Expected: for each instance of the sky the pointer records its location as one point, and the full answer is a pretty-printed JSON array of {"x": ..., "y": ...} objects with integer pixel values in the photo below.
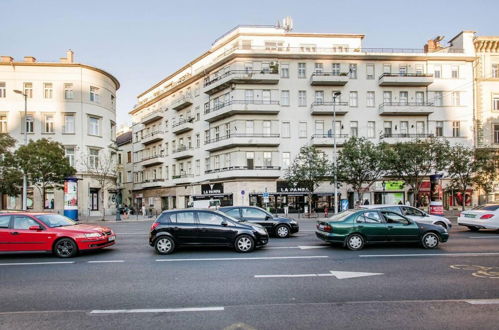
[{"x": 142, "y": 42}]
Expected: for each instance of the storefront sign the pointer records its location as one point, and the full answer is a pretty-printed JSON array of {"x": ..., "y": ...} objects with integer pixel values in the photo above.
[
  {"x": 212, "y": 188},
  {"x": 71, "y": 198},
  {"x": 389, "y": 185},
  {"x": 284, "y": 187}
]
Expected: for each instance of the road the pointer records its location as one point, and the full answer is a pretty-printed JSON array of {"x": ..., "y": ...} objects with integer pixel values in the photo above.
[{"x": 294, "y": 283}]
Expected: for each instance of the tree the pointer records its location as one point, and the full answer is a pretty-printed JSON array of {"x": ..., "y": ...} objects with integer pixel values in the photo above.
[
  {"x": 45, "y": 164},
  {"x": 308, "y": 170},
  {"x": 462, "y": 167},
  {"x": 416, "y": 160},
  {"x": 487, "y": 174},
  {"x": 10, "y": 175},
  {"x": 361, "y": 163},
  {"x": 102, "y": 168}
]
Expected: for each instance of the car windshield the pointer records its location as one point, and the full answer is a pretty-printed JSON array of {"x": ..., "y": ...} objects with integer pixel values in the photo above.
[
  {"x": 342, "y": 215},
  {"x": 487, "y": 207},
  {"x": 55, "y": 220},
  {"x": 228, "y": 216}
]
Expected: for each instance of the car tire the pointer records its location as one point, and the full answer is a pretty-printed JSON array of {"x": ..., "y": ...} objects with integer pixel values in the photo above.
[
  {"x": 441, "y": 224},
  {"x": 355, "y": 242},
  {"x": 65, "y": 248},
  {"x": 430, "y": 240},
  {"x": 244, "y": 244},
  {"x": 473, "y": 228},
  {"x": 164, "y": 245},
  {"x": 282, "y": 231}
]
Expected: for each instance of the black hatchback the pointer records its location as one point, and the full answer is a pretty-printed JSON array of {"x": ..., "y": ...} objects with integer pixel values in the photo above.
[
  {"x": 204, "y": 227},
  {"x": 278, "y": 226}
]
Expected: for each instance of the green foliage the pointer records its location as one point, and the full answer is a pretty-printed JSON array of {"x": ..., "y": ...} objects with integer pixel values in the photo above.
[
  {"x": 487, "y": 173},
  {"x": 10, "y": 175}
]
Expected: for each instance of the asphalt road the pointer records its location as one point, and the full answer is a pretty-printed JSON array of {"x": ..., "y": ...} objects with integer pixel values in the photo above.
[{"x": 294, "y": 283}]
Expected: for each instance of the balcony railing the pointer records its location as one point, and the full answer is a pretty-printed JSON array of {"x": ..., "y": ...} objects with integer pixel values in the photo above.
[
  {"x": 239, "y": 72},
  {"x": 405, "y": 79},
  {"x": 406, "y": 136},
  {"x": 222, "y": 105},
  {"x": 183, "y": 121},
  {"x": 183, "y": 125},
  {"x": 152, "y": 137},
  {"x": 329, "y": 79},
  {"x": 232, "y": 168},
  {"x": 152, "y": 117},
  {"x": 243, "y": 135},
  {"x": 326, "y": 108},
  {"x": 406, "y": 108},
  {"x": 182, "y": 102},
  {"x": 330, "y": 136},
  {"x": 182, "y": 176}
]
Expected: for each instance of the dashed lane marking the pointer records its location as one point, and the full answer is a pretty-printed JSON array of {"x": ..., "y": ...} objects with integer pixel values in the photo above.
[
  {"x": 463, "y": 254},
  {"x": 104, "y": 261},
  {"x": 157, "y": 310},
  {"x": 37, "y": 263}
]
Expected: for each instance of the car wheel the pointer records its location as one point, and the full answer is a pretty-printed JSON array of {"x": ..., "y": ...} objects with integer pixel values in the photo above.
[
  {"x": 244, "y": 243},
  {"x": 164, "y": 245},
  {"x": 65, "y": 248},
  {"x": 282, "y": 231},
  {"x": 473, "y": 228},
  {"x": 441, "y": 224},
  {"x": 355, "y": 242},
  {"x": 430, "y": 240}
]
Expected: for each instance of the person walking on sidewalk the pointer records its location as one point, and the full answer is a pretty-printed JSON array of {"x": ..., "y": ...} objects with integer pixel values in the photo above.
[{"x": 143, "y": 210}]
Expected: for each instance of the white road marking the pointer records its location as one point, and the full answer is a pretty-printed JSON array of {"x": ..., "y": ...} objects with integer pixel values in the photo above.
[
  {"x": 473, "y": 237},
  {"x": 250, "y": 258},
  {"x": 281, "y": 247},
  {"x": 483, "y": 301},
  {"x": 463, "y": 254},
  {"x": 312, "y": 247},
  {"x": 157, "y": 310},
  {"x": 338, "y": 274},
  {"x": 37, "y": 263},
  {"x": 137, "y": 233},
  {"x": 104, "y": 261}
]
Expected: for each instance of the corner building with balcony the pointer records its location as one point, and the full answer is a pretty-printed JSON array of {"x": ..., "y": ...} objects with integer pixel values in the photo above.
[{"x": 229, "y": 123}]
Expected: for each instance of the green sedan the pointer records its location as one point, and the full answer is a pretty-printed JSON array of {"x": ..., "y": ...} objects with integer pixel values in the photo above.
[{"x": 355, "y": 228}]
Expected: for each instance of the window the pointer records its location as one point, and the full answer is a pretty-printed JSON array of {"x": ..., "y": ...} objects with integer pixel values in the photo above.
[
  {"x": 495, "y": 70},
  {"x": 47, "y": 90},
  {"x": 438, "y": 99},
  {"x": 68, "y": 91},
  {"x": 387, "y": 68},
  {"x": 4, "y": 221},
  {"x": 93, "y": 158},
  {"x": 387, "y": 97},
  {"x": 410, "y": 211},
  {"x": 354, "y": 128},
  {"x": 319, "y": 127},
  {"x": 456, "y": 129},
  {"x": 48, "y": 123},
  {"x": 285, "y": 98},
  {"x": 352, "y": 69},
  {"x": 23, "y": 222},
  {"x": 495, "y": 102},
  {"x": 3, "y": 90},
  {"x": 267, "y": 159},
  {"x": 370, "y": 99},
  {"x": 286, "y": 159},
  {"x": 30, "y": 123},
  {"x": 69, "y": 124},
  {"x": 419, "y": 98},
  {"x": 182, "y": 217},
  {"x": 28, "y": 89},
  {"x": 371, "y": 129},
  {"x": 369, "y": 217},
  {"x": 455, "y": 72},
  {"x": 302, "y": 70},
  {"x": 284, "y": 70},
  {"x": 250, "y": 127},
  {"x": 233, "y": 213},
  {"x": 94, "y": 94},
  {"x": 496, "y": 133},
  {"x": 336, "y": 69},
  {"x": 250, "y": 157},
  {"x": 3, "y": 123},
  {"x": 93, "y": 126},
  {"x": 391, "y": 217},
  {"x": 456, "y": 98},
  {"x": 319, "y": 97},
  {"x": 387, "y": 128},
  {"x": 266, "y": 96},
  {"x": 198, "y": 140},
  {"x": 403, "y": 70},
  {"x": 69, "y": 153},
  {"x": 404, "y": 98},
  {"x": 420, "y": 127},
  {"x": 286, "y": 129},
  {"x": 303, "y": 130},
  {"x": 370, "y": 71},
  {"x": 198, "y": 167},
  {"x": 302, "y": 98},
  {"x": 253, "y": 213},
  {"x": 419, "y": 69},
  {"x": 319, "y": 68},
  {"x": 208, "y": 218},
  {"x": 437, "y": 71},
  {"x": 266, "y": 127},
  {"x": 439, "y": 128},
  {"x": 354, "y": 102},
  {"x": 249, "y": 95}
]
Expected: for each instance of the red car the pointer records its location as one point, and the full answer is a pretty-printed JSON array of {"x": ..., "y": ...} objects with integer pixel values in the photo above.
[{"x": 35, "y": 232}]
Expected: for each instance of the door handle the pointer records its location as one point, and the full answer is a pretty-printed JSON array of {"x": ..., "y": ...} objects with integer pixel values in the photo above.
[
  {"x": 14, "y": 233},
  {"x": 390, "y": 227}
]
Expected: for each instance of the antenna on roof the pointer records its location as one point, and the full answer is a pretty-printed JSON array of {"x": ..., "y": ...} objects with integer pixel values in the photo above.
[{"x": 287, "y": 23}]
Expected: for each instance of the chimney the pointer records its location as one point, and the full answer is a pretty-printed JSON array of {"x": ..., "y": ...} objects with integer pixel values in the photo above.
[
  {"x": 29, "y": 59},
  {"x": 69, "y": 56},
  {"x": 6, "y": 59}
]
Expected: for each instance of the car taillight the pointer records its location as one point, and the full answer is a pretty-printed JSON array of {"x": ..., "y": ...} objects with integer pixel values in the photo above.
[
  {"x": 486, "y": 216},
  {"x": 154, "y": 225},
  {"x": 327, "y": 228}
]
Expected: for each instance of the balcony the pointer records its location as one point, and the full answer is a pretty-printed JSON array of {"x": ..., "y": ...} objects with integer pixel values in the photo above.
[
  {"x": 152, "y": 137},
  {"x": 152, "y": 183},
  {"x": 242, "y": 139},
  {"x": 182, "y": 178},
  {"x": 328, "y": 79},
  {"x": 182, "y": 152},
  {"x": 326, "y": 108},
  {"x": 228, "y": 78},
  {"x": 182, "y": 103},
  {"x": 327, "y": 140},
  {"x": 152, "y": 160},
  {"x": 244, "y": 172},
  {"x": 405, "y": 79},
  {"x": 183, "y": 125},
  {"x": 233, "y": 107},
  {"x": 405, "y": 109},
  {"x": 152, "y": 117},
  {"x": 403, "y": 137}
]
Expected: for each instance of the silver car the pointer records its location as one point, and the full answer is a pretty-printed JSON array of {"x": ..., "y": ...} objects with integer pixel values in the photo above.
[{"x": 413, "y": 214}]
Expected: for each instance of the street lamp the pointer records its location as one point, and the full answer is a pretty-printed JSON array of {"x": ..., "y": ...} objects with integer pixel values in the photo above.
[
  {"x": 335, "y": 95},
  {"x": 25, "y": 179},
  {"x": 383, "y": 184}
]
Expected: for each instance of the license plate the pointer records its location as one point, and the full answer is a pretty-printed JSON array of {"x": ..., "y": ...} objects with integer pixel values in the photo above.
[
  {"x": 469, "y": 215},
  {"x": 111, "y": 238}
]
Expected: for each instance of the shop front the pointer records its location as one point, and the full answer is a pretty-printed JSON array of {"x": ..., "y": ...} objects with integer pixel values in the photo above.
[
  {"x": 389, "y": 192},
  {"x": 215, "y": 191}
]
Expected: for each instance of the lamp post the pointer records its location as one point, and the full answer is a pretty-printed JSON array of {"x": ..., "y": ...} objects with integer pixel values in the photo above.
[
  {"x": 335, "y": 95},
  {"x": 25, "y": 179},
  {"x": 383, "y": 184}
]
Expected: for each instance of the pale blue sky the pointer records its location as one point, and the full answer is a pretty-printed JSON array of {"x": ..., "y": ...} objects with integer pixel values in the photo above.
[{"x": 141, "y": 42}]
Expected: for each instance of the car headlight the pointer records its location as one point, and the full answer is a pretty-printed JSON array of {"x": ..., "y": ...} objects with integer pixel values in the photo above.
[
  {"x": 93, "y": 235},
  {"x": 294, "y": 222}
]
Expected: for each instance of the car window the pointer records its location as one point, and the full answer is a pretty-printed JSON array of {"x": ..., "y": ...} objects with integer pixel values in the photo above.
[
  {"x": 163, "y": 218},
  {"x": 182, "y": 217},
  {"x": 392, "y": 217},
  {"x": 253, "y": 213},
  {"x": 24, "y": 222},
  {"x": 369, "y": 217},
  {"x": 395, "y": 209},
  {"x": 55, "y": 220},
  {"x": 233, "y": 213},
  {"x": 4, "y": 221},
  {"x": 487, "y": 207},
  {"x": 208, "y": 218},
  {"x": 412, "y": 211}
]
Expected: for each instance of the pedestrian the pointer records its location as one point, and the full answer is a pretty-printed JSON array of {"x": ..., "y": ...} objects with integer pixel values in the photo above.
[
  {"x": 400, "y": 202},
  {"x": 286, "y": 210},
  {"x": 326, "y": 212},
  {"x": 143, "y": 210},
  {"x": 366, "y": 202},
  {"x": 407, "y": 203},
  {"x": 125, "y": 212}
]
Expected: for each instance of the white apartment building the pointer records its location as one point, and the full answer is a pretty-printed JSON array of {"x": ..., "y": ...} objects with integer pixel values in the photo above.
[
  {"x": 124, "y": 177},
  {"x": 68, "y": 102},
  {"x": 227, "y": 124}
]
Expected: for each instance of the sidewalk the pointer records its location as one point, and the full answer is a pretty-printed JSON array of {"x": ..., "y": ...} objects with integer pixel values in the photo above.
[{"x": 112, "y": 218}]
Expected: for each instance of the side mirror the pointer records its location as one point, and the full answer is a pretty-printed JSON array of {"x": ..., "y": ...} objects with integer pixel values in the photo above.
[
  {"x": 268, "y": 217},
  {"x": 35, "y": 228},
  {"x": 224, "y": 223}
]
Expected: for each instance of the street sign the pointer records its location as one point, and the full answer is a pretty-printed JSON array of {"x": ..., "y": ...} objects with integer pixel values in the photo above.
[
  {"x": 242, "y": 192},
  {"x": 266, "y": 195}
]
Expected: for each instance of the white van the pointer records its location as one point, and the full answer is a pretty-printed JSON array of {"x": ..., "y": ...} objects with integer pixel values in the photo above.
[{"x": 206, "y": 204}]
